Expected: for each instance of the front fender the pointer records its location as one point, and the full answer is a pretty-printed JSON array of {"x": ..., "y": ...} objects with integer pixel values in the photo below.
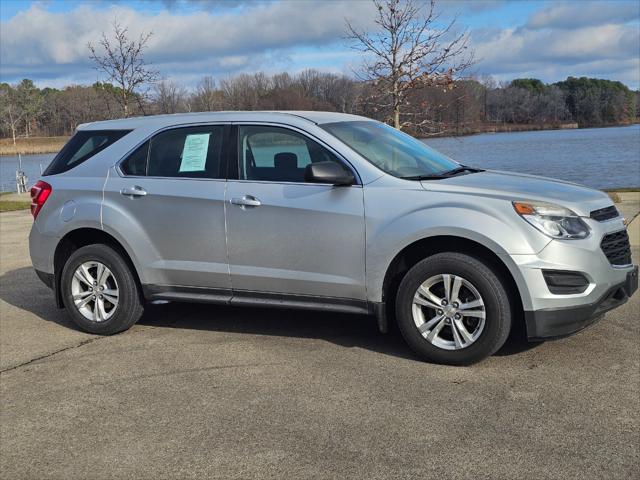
[{"x": 501, "y": 233}]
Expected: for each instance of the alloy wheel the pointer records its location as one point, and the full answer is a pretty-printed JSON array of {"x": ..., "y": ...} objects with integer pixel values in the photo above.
[
  {"x": 449, "y": 312},
  {"x": 95, "y": 291}
]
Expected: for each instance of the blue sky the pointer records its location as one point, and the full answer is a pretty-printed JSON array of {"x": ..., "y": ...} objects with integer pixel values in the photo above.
[{"x": 46, "y": 40}]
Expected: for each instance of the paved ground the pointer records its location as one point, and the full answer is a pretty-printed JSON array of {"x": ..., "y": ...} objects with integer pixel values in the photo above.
[{"x": 212, "y": 392}]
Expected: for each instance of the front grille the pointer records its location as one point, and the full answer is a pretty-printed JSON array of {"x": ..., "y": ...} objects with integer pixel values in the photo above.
[
  {"x": 616, "y": 247},
  {"x": 604, "y": 214}
]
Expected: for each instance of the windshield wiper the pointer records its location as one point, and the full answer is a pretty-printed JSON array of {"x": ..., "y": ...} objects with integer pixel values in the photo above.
[
  {"x": 425, "y": 177},
  {"x": 449, "y": 173},
  {"x": 461, "y": 169}
]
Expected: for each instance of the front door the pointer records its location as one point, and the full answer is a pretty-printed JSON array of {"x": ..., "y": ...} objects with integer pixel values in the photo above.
[
  {"x": 285, "y": 235},
  {"x": 171, "y": 189}
]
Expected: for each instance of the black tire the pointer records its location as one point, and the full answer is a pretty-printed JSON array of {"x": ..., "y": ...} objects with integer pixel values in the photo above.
[
  {"x": 487, "y": 283},
  {"x": 130, "y": 306}
]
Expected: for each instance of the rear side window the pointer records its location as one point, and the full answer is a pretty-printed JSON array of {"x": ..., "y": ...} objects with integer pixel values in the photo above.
[
  {"x": 188, "y": 152},
  {"x": 82, "y": 146}
]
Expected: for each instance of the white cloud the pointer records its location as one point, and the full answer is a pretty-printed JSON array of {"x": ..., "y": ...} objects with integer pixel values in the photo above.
[
  {"x": 40, "y": 42},
  {"x": 222, "y": 38},
  {"x": 605, "y": 49},
  {"x": 574, "y": 14},
  {"x": 523, "y": 46}
]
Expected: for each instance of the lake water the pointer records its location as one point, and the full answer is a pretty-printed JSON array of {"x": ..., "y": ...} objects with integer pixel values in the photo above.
[
  {"x": 596, "y": 157},
  {"x": 31, "y": 165}
]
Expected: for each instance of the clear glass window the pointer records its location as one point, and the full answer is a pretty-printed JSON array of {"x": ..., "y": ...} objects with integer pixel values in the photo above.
[
  {"x": 390, "y": 150},
  {"x": 277, "y": 154},
  {"x": 190, "y": 152}
]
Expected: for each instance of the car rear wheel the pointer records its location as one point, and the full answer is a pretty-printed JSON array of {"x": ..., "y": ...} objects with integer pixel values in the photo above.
[
  {"x": 99, "y": 290},
  {"x": 453, "y": 309}
]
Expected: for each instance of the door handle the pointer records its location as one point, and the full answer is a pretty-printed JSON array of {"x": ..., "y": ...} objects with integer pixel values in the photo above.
[
  {"x": 134, "y": 191},
  {"x": 246, "y": 201}
]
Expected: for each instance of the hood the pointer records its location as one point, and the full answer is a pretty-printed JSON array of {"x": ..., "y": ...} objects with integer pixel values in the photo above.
[{"x": 517, "y": 186}]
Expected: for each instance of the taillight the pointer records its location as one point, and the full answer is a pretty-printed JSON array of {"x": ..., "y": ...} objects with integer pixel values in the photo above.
[{"x": 39, "y": 194}]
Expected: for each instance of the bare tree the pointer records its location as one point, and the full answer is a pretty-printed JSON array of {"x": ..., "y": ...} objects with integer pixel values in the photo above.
[
  {"x": 30, "y": 102},
  {"x": 409, "y": 51},
  {"x": 207, "y": 97},
  {"x": 170, "y": 97},
  {"x": 122, "y": 59},
  {"x": 21, "y": 105},
  {"x": 11, "y": 114}
]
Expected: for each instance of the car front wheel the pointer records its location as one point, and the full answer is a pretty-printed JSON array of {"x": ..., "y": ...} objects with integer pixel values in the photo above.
[{"x": 453, "y": 309}]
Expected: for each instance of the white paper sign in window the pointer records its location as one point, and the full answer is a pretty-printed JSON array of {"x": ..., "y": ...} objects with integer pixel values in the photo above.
[{"x": 194, "y": 153}]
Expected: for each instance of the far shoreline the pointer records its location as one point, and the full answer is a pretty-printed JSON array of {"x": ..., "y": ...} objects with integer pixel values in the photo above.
[
  {"x": 47, "y": 145},
  {"x": 519, "y": 128}
]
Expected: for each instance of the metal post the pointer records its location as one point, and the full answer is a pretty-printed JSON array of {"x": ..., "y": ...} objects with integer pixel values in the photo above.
[{"x": 21, "y": 177}]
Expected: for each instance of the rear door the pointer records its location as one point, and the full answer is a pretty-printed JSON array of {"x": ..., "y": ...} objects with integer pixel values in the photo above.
[
  {"x": 285, "y": 235},
  {"x": 172, "y": 190}
]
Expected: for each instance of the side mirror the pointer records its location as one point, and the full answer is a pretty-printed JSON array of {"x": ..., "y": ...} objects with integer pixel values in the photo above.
[{"x": 328, "y": 172}]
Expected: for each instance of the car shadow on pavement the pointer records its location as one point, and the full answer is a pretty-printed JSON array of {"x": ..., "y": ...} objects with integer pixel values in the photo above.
[
  {"x": 22, "y": 289},
  {"x": 346, "y": 330}
]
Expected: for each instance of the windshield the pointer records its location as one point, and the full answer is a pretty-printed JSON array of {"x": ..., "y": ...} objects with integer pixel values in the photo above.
[{"x": 390, "y": 150}]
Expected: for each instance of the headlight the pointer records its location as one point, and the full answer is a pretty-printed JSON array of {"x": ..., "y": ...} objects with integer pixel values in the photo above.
[{"x": 553, "y": 220}]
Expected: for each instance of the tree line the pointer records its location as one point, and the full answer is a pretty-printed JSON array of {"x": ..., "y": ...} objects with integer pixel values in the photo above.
[{"x": 470, "y": 105}]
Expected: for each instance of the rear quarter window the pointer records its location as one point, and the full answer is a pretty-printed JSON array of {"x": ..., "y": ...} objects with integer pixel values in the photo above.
[
  {"x": 81, "y": 147},
  {"x": 136, "y": 163}
]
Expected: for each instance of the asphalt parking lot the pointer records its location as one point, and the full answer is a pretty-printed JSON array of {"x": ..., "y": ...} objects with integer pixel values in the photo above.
[{"x": 197, "y": 391}]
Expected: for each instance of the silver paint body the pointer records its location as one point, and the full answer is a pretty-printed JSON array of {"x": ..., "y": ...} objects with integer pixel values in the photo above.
[{"x": 311, "y": 239}]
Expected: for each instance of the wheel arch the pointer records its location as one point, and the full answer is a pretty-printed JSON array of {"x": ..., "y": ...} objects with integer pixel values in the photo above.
[
  {"x": 82, "y": 237},
  {"x": 422, "y": 248}
]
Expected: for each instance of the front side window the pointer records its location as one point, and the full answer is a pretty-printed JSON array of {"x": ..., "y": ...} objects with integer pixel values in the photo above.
[
  {"x": 390, "y": 150},
  {"x": 190, "y": 152},
  {"x": 82, "y": 146},
  {"x": 277, "y": 154}
]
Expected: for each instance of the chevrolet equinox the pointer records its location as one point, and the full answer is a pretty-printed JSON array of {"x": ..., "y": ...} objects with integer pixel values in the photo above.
[{"x": 322, "y": 211}]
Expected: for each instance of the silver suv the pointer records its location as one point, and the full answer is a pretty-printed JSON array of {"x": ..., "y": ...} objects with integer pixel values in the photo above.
[{"x": 322, "y": 211}]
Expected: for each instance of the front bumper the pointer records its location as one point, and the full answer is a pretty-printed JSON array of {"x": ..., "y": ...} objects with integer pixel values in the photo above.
[{"x": 561, "y": 322}]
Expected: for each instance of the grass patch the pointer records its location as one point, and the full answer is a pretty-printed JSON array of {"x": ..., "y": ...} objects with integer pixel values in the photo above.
[
  {"x": 32, "y": 145},
  {"x": 7, "y": 206}
]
